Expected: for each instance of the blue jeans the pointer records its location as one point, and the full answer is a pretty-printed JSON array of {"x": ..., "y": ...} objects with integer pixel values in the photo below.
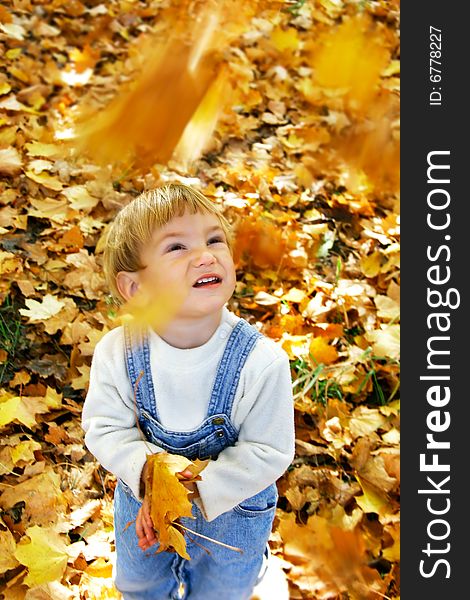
[{"x": 214, "y": 572}]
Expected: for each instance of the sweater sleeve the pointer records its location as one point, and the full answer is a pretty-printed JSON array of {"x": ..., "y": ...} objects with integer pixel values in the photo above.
[
  {"x": 265, "y": 446},
  {"x": 109, "y": 422}
]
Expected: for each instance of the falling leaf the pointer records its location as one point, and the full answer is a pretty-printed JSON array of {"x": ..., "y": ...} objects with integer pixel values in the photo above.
[
  {"x": 152, "y": 307},
  {"x": 44, "y": 554},
  {"x": 351, "y": 58},
  {"x": 198, "y": 132},
  {"x": 147, "y": 119},
  {"x": 259, "y": 243}
]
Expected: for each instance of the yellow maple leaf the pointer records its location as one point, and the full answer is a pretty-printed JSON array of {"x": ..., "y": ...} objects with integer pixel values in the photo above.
[
  {"x": 44, "y": 554},
  {"x": 13, "y": 408},
  {"x": 169, "y": 498},
  {"x": 24, "y": 451},
  {"x": 335, "y": 555}
]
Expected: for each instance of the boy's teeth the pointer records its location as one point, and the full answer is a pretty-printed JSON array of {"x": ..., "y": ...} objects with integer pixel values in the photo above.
[{"x": 206, "y": 280}]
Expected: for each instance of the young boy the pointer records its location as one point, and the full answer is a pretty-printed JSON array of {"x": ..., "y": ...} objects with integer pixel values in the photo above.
[{"x": 207, "y": 385}]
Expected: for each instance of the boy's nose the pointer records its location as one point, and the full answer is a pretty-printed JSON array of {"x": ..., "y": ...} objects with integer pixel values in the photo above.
[{"x": 204, "y": 258}]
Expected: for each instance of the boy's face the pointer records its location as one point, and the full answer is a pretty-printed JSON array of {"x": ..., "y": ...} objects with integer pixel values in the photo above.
[{"x": 190, "y": 253}]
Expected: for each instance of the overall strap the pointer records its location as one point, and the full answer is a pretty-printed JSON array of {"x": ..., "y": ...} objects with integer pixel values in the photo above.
[
  {"x": 138, "y": 367},
  {"x": 239, "y": 345}
]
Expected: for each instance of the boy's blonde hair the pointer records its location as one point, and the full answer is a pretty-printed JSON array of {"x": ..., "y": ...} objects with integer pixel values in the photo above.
[{"x": 134, "y": 225}]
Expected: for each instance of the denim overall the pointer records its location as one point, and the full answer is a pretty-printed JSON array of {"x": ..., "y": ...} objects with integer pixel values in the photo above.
[{"x": 214, "y": 572}]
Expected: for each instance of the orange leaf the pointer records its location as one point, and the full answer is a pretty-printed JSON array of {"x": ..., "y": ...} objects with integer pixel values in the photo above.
[
  {"x": 260, "y": 242},
  {"x": 321, "y": 352},
  {"x": 351, "y": 58}
]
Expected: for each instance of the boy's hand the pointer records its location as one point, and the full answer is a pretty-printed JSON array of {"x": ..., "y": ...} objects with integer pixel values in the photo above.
[
  {"x": 189, "y": 485},
  {"x": 144, "y": 527}
]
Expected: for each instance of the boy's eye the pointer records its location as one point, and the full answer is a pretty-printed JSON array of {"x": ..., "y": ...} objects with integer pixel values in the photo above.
[
  {"x": 174, "y": 247},
  {"x": 216, "y": 239}
]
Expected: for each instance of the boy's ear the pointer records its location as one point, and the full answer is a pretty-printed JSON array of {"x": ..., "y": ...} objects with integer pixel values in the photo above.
[{"x": 127, "y": 283}]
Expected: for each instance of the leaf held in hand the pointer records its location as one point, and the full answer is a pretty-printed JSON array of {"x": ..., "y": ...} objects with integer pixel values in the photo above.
[{"x": 169, "y": 498}]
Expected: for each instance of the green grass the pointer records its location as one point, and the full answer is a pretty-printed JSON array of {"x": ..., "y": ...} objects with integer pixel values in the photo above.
[
  {"x": 308, "y": 383},
  {"x": 12, "y": 338}
]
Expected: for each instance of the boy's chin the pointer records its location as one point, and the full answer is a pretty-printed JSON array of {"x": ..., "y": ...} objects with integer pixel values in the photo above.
[{"x": 194, "y": 312}]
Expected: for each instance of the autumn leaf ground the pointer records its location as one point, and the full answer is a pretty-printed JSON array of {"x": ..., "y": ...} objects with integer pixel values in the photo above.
[{"x": 303, "y": 161}]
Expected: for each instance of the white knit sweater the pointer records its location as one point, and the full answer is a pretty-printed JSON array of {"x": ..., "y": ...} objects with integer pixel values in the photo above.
[{"x": 183, "y": 380}]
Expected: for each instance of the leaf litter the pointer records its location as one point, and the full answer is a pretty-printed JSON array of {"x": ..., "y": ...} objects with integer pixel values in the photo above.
[{"x": 299, "y": 148}]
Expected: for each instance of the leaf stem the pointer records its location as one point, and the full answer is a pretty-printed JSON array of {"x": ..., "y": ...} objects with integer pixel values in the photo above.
[{"x": 208, "y": 538}]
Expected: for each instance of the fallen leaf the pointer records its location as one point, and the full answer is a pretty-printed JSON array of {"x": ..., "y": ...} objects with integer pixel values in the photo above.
[
  {"x": 7, "y": 549},
  {"x": 321, "y": 352},
  {"x": 41, "y": 311},
  {"x": 10, "y": 161},
  {"x": 44, "y": 554}
]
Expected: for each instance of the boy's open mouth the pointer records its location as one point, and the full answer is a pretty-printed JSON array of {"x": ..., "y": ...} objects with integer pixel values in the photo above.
[{"x": 207, "y": 281}]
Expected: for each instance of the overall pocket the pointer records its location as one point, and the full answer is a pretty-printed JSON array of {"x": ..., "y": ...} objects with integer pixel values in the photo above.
[{"x": 263, "y": 503}]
